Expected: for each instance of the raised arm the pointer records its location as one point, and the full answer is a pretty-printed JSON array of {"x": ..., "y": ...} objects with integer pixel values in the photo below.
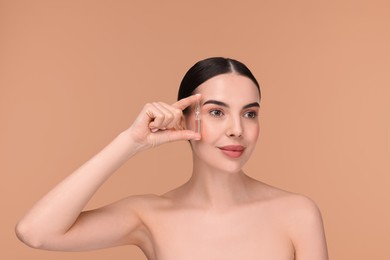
[{"x": 56, "y": 222}]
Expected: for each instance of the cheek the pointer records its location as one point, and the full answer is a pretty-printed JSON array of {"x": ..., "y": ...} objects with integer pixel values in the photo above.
[
  {"x": 252, "y": 131},
  {"x": 211, "y": 129},
  {"x": 255, "y": 132}
]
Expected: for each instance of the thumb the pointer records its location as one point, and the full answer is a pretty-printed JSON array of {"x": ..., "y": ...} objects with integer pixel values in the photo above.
[
  {"x": 184, "y": 135},
  {"x": 175, "y": 135}
]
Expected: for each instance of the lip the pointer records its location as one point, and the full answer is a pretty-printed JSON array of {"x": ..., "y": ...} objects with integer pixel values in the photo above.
[{"x": 232, "y": 151}]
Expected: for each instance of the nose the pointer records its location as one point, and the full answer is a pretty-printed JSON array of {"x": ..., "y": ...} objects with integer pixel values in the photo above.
[{"x": 234, "y": 128}]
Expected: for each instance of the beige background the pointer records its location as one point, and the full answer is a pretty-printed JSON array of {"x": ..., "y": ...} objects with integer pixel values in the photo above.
[{"x": 73, "y": 74}]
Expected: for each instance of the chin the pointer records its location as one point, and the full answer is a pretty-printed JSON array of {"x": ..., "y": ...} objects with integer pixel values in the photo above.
[
  {"x": 221, "y": 164},
  {"x": 232, "y": 167}
]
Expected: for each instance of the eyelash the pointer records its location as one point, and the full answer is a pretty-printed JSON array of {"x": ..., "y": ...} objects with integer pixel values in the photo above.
[
  {"x": 253, "y": 114},
  {"x": 212, "y": 112}
]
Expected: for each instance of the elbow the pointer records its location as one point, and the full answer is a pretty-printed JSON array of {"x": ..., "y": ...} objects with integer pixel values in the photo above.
[{"x": 28, "y": 235}]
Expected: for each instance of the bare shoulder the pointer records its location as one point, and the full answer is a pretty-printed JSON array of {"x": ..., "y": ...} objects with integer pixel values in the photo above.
[
  {"x": 298, "y": 205},
  {"x": 142, "y": 202},
  {"x": 298, "y": 211},
  {"x": 302, "y": 221},
  {"x": 291, "y": 203},
  {"x": 301, "y": 211}
]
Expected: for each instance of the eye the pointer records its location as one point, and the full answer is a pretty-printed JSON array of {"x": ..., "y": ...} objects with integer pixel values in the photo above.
[
  {"x": 250, "y": 114},
  {"x": 216, "y": 113}
]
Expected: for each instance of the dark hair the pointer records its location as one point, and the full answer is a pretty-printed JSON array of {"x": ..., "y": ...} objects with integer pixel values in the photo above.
[{"x": 211, "y": 67}]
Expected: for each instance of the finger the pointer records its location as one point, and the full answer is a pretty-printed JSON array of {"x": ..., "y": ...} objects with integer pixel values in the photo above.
[
  {"x": 177, "y": 115},
  {"x": 181, "y": 124},
  {"x": 168, "y": 114},
  {"x": 173, "y": 135},
  {"x": 183, "y": 135},
  {"x": 186, "y": 102},
  {"x": 156, "y": 116}
]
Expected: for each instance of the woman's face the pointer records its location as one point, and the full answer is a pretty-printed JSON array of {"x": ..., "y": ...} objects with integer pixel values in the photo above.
[{"x": 229, "y": 122}]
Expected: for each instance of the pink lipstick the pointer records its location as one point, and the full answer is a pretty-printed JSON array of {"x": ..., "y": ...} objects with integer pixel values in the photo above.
[{"x": 233, "y": 151}]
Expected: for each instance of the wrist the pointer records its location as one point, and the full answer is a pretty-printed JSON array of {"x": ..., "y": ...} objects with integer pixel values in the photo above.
[{"x": 133, "y": 146}]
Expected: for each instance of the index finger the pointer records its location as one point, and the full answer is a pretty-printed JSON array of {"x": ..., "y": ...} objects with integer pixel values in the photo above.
[{"x": 185, "y": 102}]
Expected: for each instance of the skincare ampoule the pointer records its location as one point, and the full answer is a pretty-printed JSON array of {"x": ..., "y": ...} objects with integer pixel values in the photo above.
[{"x": 197, "y": 117}]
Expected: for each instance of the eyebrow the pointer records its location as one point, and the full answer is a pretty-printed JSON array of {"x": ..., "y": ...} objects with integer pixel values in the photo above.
[{"x": 223, "y": 104}]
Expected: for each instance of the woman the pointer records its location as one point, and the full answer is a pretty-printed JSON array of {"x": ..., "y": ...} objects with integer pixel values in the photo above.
[{"x": 219, "y": 213}]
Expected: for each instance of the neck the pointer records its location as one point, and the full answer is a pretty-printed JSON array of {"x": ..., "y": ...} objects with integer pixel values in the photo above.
[{"x": 215, "y": 188}]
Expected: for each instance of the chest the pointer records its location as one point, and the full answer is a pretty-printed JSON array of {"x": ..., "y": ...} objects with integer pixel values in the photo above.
[{"x": 204, "y": 235}]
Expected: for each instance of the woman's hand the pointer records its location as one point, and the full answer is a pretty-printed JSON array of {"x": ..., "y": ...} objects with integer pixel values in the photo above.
[{"x": 160, "y": 123}]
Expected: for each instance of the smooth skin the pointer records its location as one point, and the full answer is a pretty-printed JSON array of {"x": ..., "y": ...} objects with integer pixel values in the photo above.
[{"x": 219, "y": 213}]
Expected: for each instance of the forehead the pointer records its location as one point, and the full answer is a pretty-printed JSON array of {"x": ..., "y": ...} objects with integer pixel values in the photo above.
[{"x": 229, "y": 87}]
